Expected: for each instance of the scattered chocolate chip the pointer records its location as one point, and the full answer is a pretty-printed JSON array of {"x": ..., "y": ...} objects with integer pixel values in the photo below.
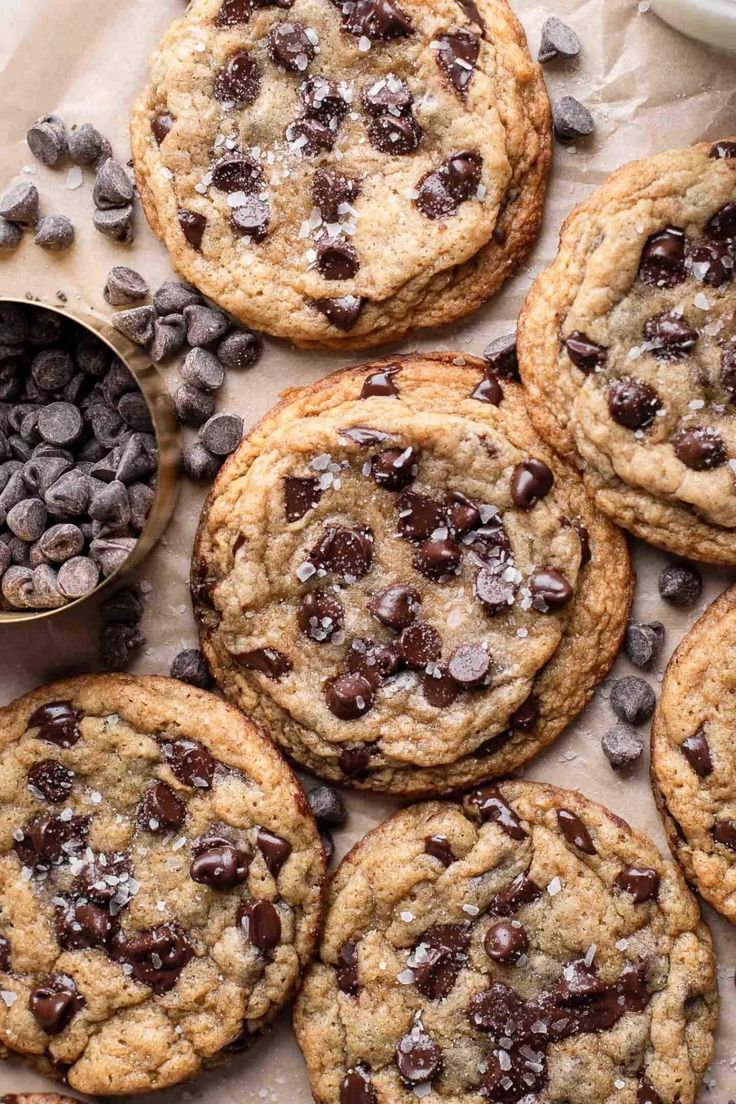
[
  {"x": 115, "y": 223},
  {"x": 222, "y": 433},
  {"x": 47, "y": 140},
  {"x": 136, "y": 324},
  {"x": 418, "y": 1057},
  {"x": 397, "y": 606},
  {"x": 169, "y": 335},
  {"x": 700, "y": 448},
  {"x": 633, "y": 700},
  {"x": 261, "y": 924},
  {"x": 550, "y": 589},
  {"x": 51, "y": 780},
  {"x": 198, "y": 463},
  {"x": 697, "y": 752},
  {"x": 157, "y": 956},
  {"x": 641, "y": 883},
  {"x": 457, "y": 55},
  {"x": 10, "y": 235},
  {"x": 266, "y": 661},
  {"x": 571, "y": 119},
  {"x": 239, "y": 81},
  {"x": 217, "y": 863},
  {"x": 633, "y": 403},
  {"x": 20, "y": 204},
  {"x": 500, "y": 356},
  {"x": 113, "y": 187},
  {"x": 558, "y": 41},
  {"x": 342, "y": 313},
  {"x": 642, "y": 642},
  {"x": 192, "y": 406},
  {"x": 680, "y": 584},
  {"x": 55, "y": 232},
  {"x": 54, "y": 1003},
  {"x": 575, "y": 832},
  {"x": 160, "y": 810},
  {"x": 172, "y": 297},
  {"x": 585, "y": 354},
  {"x": 193, "y": 226},
  {"x": 320, "y": 616},
  {"x": 328, "y": 807},
  {"x": 531, "y": 481},
  {"x": 506, "y": 942},
  {"x": 622, "y": 746},
  {"x": 240, "y": 349},
  {"x": 191, "y": 667},
  {"x": 349, "y": 697},
  {"x": 87, "y": 147},
  {"x": 124, "y": 286}
]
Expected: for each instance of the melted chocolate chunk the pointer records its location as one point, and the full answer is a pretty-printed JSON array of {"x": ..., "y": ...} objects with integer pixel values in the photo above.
[
  {"x": 266, "y": 661},
  {"x": 389, "y": 95},
  {"x": 346, "y": 553},
  {"x": 162, "y": 124},
  {"x": 274, "y": 849},
  {"x": 585, "y": 354},
  {"x": 381, "y": 384},
  {"x": 376, "y": 662},
  {"x": 490, "y": 805},
  {"x": 418, "y": 1057},
  {"x": 489, "y": 391},
  {"x": 290, "y": 46},
  {"x": 157, "y": 955},
  {"x": 550, "y": 589},
  {"x": 697, "y": 752},
  {"x": 723, "y": 150},
  {"x": 310, "y": 137},
  {"x": 420, "y": 516},
  {"x": 490, "y": 545},
  {"x": 395, "y": 468},
  {"x": 584, "y": 537},
  {"x": 341, "y": 313},
  {"x": 397, "y": 607},
  {"x": 670, "y": 336},
  {"x": 300, "y": 496},
  {"x": 217, "y": 863},
  {"x": 320, "y": 616},
  {"x": 531, "y": 481},
  {"x": 337, "y": 259},
  {"x": 700, "y": 448},
  {"x": 160, "y": 810},
  {"x": 464, "y": 515},
  {"x": 724, "y": 833},
  {"x": 633, "y": 403},
  {"x": 663, "y": 259},
  {"x": 379, "y": 20},
  {"x": 81, "y": 924},
  {"x": 54, "y": 1003},
  {"x": 525, "y": 718},
  {"x": 506, "y": 942},
  {"x": 354, "y": 761},
  {"x": 492, "y": 745},
  {"x": 723, "y": 224},
  {"x": 522, "y": 891},
  {"x": 236, "y": 172},
  {"x": 457, "y": 55},
  {"x": 357, "y": 1087},
  {"x": 4, "y": 955},
  {"x": 439, "y": 687},
  {"x": 191, "y": 763},
  {"x": 439, "y": 848},
  {"x": 347, "y": 969},
  {"x": 438, "y": 958},
  {"x": 330, "y": 190},
  {"x": 501, "y": 357},
  {"x": 251, "y": 218},
  {"x": 322, "y": 100},
  {"x": 395, "y": 135},
  {"x": 712, "y": 262},
  {"x": 441, "y": 192},
  {"x": 639, "y": 882},
  {"x": 575, "y": 832},
  {"x": 261, "y": 924},
  {"x": 57, "y": 723},
  {"x": 438, "y": 559},
  {"x": 420, "y": 645},
  {"x": 50, "y": 841},
  {"x": 493, "y": 590},
  {"x": 349, "y": 697},
  {"x": 646, "y": 1094},
  {"x": 234, "y": 12},
  {"x": 193, "y": 226},
  {"x": 105, "y": 880},
  {"x": 239, "y": 81},
  {"x": 52, "y": 780},
  {"x": 470, "y": 8}
]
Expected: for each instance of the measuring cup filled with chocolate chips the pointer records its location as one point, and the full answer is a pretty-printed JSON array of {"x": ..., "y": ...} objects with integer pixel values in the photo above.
[{"x": 88, "y": 457}]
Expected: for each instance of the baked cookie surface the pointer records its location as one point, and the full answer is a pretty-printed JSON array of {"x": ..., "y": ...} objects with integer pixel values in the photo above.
[
  {"x": 160, "y": 881},
  {"x": 394, "y": 576},
  {"x": 527, "y": 946},
  {"x": 693, "y": 763},
  {"x": 627, "y": 349},
  {"x": 338, "y": 173}
]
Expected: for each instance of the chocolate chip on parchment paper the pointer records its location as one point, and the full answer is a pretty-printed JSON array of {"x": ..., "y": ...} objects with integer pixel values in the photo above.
[
  {"x": 47, "y": 140},
  {"x": 20, "y": 204},
  {"x": 87, "y": 147},
  {"x": 115, "y": 223},
  {"x": 558, "y": 41},
  {"x": 622, "y": 745},
  {"x": 55, "y": 232},
  {"x": 572, "y": 120},
  {"x": 328, "y": 807},
  {"x": 222, "y": 433},
  {"x": 113, "y": 187},
  {"x": 124, "y": 286},
  {"x": 680, "y": 584},
  {"x": 191, "y": 667},
  {"x": 633, "y": 700},
  {"x": 643, "y": 641},
  {"x": 10, "y": 235},
  {"x": 200, "y": 464}
]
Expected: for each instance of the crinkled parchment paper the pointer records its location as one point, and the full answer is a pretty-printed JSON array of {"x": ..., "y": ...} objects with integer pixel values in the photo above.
[{"x": 649, "y": 89}]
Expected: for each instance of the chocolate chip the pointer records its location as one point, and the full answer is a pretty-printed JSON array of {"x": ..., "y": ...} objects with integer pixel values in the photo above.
[
  {"x": 558, "y": 41},
  {"x": 663, "y": 258},
  {"x": 349, "y": 697},
  {"x": 622, "y": 745},
  {"x": 57, "y": 722},
  {"x": 290, "y": 45},
  {"x": 531, "y": 481},
  {"x": 157, "y": 956},
  {"x": 274, "y": 849},
  {"x": 550, "y": 589},
  {"x": 240, "y": 349},
  {"x": 723, "y": 224},
  {"x": 198, "y": 463},
  {"x": 633, "y": 403},
  {"x": 493, "y": 590},
  {"x": 439, "y": 848},
  {"x": 51, "y": 780},
  {"x": 261, "y": 924},
  {"x": 55, "y": 232},
  {"x": 47, "y": 140},
  {"x": 123, "y": 286},
  {"x": 585, "y": 354},
  {"x": 328, "y": 844},
  {"x": 438, "y": 958},
  {"x": 267, "y": 661},
  {"x": 239, "y": 81},
  {"x": 420, "y": 645},
  {"x": 27, "y": 519},
  {"x": 641, "y": 883},
  {"x": 328, "y": 807},
  {"x": 575, "y": 832},
  {"x": 697, "y": 752},
  {"x": 456, "y": 180},
  {"x": 117, "y": 643},
  {"x": 77, "y": 577},
  {"x": 320, "y": 616},
  {"x": 418, "y": 1057},
  {"x": 342, "y": 313},
  {"x": 646, "y": 1094},
  {"x": 490, "y": 805},
  {"x": 506, "y": 942},
  {"x": 633, "y": 700},
  {"x": 394, "y": 468},
  {"x": 190, "y": 666},
  {"x": 354, "y": 761},
  {"x": 54, "y": 1003},
  {"x": 571, "y": 119},
  {"x": 300, "y": 496},
  {"x": 138, "y": 459},
  {"x": 205, "y": 325},
  {"x": 347, "y": 969},
  {"x": 222, "y": 433},
  {"x": 670, "y": 335},
  {"x": 217, "y": 863},
  {"x": 397, "y": 606},
  {"x": 680, "y": 584},
  {"x": 376, "y": 662},
  {"x": 357, "y": 1088},
  {"x": 438, "y": 559},
  {"x": 378, "y": 20},
  {"x": 251, "y": 218},
  {"x": 724, "y": 832},
  {"x": 236, "y": 172},
  {"x": 310, "y": 137},
  {"x": 125, "y": 607},
  {"x": 712, "y": 263},
  {"x": 169, "y": 335},
  {"x": 191, "y": 763},
  {"x": 81, "y": 925},
  {"x": 160, "y": 810},
  {"x": 346, "y": 553},
  {"x": 331, "y": 190},
  {"x": 521, "y": 891},
  {"x": 642, "y": 642},
  {"x": 420, "y": 516},
  {"x": 395, "y": 135},
  {"x": 723, "y": 150},
  {"x": 192, "y": 406},
  {"x": 116, "y": 223},
  {"x": 113, "y": 187},
  {"x": 193, "y": 226},
  {"x": 136, "y": 324},
  {"x": 500, "y": 356},
  {"x": 337, "y": 259},
  {"x": 51, "y": 840},
  {"x": 700, "y": 448},
  {"x": 457, "y": 55},
  {"x": 88, "y": 147},
  {"x": 20, "y": 204},
  {"x": 10, "y": 235},
  {"x": 469, "y": 665}
]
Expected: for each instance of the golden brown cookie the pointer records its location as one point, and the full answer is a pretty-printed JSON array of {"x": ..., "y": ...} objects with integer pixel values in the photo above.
[
  {"x": 627, "y": 348},
  {"x": 396, "y": 578},
  {"x": 524, "y": 946},
  {"x": 160, "y": 881},
  {"x": 339, "y": 172},
  {"x": 693, "y": 773}
]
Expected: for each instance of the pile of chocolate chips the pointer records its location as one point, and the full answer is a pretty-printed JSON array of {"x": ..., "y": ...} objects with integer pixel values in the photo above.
[{"x": 78, "y": 459}]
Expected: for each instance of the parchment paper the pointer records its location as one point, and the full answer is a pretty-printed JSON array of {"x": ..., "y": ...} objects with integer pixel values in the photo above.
[{"x": 649, "y": 88}]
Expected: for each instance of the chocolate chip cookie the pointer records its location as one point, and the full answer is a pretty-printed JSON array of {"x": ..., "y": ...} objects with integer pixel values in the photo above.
[
  {"x": 160, "y": 881},
  {"x": 35, "y": 1098},
  {"x": 627, "y": 347},
  {"x": 526, "y": 946},
  {"x": 395, "y": 577},
  {"x": 339, "y": 172},
  {"x": 692, "y": 755}
]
